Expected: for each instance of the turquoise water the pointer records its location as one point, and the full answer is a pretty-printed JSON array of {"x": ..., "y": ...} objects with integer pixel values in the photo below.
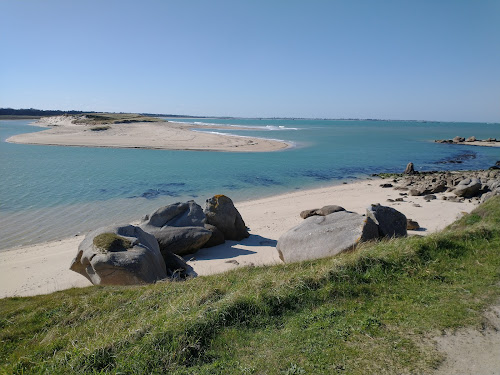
[{"x": 50, "y": 192}]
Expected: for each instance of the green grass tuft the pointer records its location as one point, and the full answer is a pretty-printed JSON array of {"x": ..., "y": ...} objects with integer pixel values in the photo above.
[
  {"x": 107, "y": 242},
  {"x": 370, "y": 311}
]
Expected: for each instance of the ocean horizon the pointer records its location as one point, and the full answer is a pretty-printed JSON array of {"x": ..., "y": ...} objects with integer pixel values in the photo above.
[{"x": 53, "y": 192}]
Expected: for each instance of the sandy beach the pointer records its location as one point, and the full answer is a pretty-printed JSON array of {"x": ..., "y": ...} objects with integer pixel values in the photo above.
[
  {"x": 44, "y": 268},
  {"x": 149, "y": 135}
]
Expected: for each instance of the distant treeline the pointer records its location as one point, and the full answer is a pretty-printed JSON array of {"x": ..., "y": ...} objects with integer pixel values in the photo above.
[
  {"x": 31, "y": 112},
  {"x": 36, "y": 112}
]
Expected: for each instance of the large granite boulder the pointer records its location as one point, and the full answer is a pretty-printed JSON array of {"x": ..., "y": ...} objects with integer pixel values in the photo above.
[
  {"x": 180, "y": 240},
  {"x": 324, "y": 236},
  {"x": 188, "y": 214},
  {"x": 217, "y": 237},
  {"x": 391, "y": 222},
  {"x": 323, "y": 211},
  {"x": 178, "y": 228},
  {"x": 119, "y": 255},
  {"x": 468, "y": 188},
  {"x": 221, "y": 213}
]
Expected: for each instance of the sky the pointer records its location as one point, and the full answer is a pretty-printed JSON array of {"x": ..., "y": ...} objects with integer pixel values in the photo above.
[{"x": 398, "y": 59}]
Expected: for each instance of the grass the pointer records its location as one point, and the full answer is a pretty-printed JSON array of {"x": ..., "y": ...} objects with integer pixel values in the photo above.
[
  {"x": 111, "y": 242},
  {"x": 370, "y": 311},
  {"x": 115, "y": 118},
  {"x": 100, "y": 128}
]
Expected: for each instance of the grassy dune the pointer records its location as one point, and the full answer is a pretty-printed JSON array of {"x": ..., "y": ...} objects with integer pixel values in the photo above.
[
  {"x": 116, "y": 118},
  {"x": 371, "y": 311}
]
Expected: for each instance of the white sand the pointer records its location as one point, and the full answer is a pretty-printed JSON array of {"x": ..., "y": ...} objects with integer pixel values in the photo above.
[
  {"x": 149, "y": 135},
  {"x": 44, "y": 268}
]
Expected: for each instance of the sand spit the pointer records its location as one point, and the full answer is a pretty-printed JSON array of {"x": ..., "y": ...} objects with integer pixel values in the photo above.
[{"x": 69, "y": 131}]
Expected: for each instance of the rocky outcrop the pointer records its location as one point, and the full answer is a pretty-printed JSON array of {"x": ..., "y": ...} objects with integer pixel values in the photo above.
[
  {"x": 468, "y": 188},
  {"x": 324, "y": 236},
  {"x": 390, "y": 222},
  {"x": 221, "y": 213},
  {"x": 217, "y": 237},
  {"x": 464, "y": 184},
  {"x": 410, "y": 169},
  {"x": 188, "y": 214},
  {"x": 178, "y": 228},
  {"x": 462, "y": 140},
  {"x": 121, "y": 255},
  {"x": 323, "y": 211}
]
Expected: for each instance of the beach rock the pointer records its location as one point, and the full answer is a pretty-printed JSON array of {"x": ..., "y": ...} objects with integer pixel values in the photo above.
[
  {"x": 323, "y": 211},
  {"x": 429, "y": 197},
  {"x": 120, "y": 255},
  {"x": 386, "y": 185},
  {"x": 490, "y": 195},
  {"x": 188, "y": 214},
  {"x": 308, "y": 213},
  {"x": 177, "y": 268},
  {"x": 471, "y": 139},
  {"x": 324, "y": 236},
  {"x": 221, "y": 213},
  {"x": 180, "y": 240},
  {"x": 455, "y": 199},
  {"x": 409, "y": 169},
  {"x": 391, "y": 222},
  {"x": 458, "y": 139},
  {"x": 490, "y": 140},
  {"x": 438, "y": 187},
  {"x": 412, "y": 225},
  {"x": 178, "y": 228},
  {"x": 468, "y": 188},
  {"x": 330, "y": 209},
  {"x": 217, "y": 237}
]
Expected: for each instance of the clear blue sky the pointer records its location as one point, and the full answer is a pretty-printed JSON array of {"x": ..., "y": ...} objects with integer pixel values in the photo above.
[{"x": 433, "y": 60}]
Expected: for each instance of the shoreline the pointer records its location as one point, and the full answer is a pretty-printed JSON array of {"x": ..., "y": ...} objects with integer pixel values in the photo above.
[
  {"x": 145, "y": 135},
  {"x": 44, "y": 268}
]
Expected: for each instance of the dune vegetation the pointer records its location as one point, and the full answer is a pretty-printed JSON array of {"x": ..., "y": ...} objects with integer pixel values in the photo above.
[
  {"x": 374, "y": 310},
  {"x": 115, "y": 118}
]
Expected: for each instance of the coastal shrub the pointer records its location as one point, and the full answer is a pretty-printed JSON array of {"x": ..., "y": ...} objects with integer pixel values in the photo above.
[
  {"x": 111, "y": 242},
  {"x": 100, "y": 128},
  {"x": 369, "y": 311}
]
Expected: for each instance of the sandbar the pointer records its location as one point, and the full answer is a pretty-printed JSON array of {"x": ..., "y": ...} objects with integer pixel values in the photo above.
[
  {"x": 44, "y": 268},
  {"x": 148, "y": 135}
]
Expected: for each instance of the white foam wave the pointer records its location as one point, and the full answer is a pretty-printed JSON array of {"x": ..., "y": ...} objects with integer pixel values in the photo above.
[{"x": 240, "y": 126}]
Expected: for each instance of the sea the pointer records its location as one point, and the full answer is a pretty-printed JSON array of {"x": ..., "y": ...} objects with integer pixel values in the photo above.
[{"x": 54, "y": 192}]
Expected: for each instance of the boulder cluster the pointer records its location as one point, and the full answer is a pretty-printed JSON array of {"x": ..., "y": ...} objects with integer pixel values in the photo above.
[
  {"x": 331, "y": 230},
  {"x": 151, "y": 251},
  {"x": 458, "y": 140},
  {"x": 480, "y": 185}
]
